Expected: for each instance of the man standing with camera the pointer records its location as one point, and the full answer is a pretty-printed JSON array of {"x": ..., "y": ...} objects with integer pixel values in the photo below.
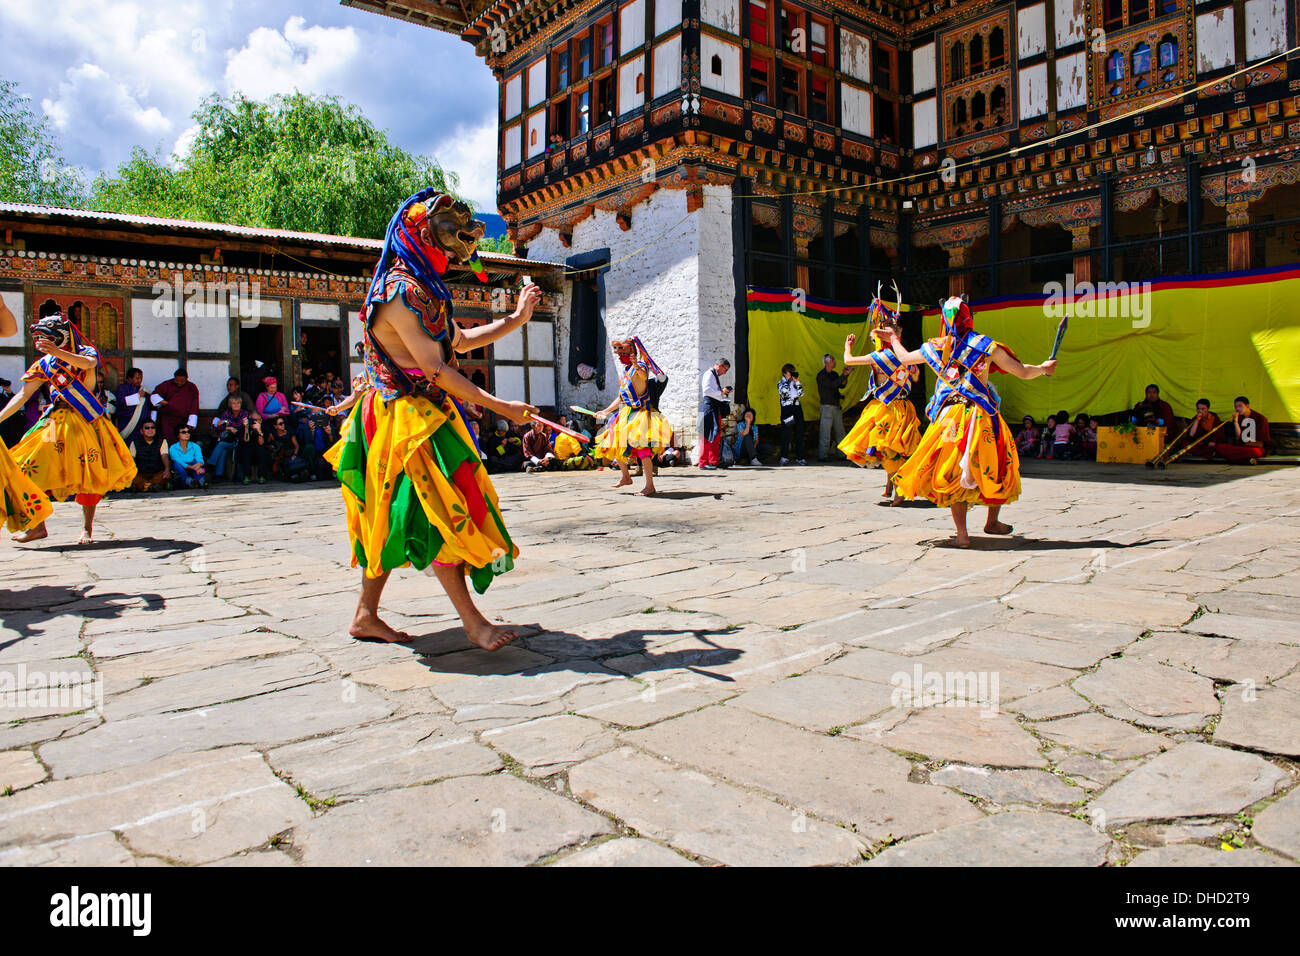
[
  {"x": 831, "y": 432},
  {"x": 713, "y": 409}
]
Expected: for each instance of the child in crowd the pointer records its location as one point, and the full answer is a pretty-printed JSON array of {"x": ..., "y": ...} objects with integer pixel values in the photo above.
[
  {"x": 1047, "y": 437},
  {"x": 746, "y": 444},
  {"x": 1027, "y": 440},
  {"x": 1061, "y": 440},
  {"x": 1090, "y": 440}
]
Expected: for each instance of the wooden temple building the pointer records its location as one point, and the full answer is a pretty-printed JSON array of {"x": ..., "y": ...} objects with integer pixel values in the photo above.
[{"x": 671, "y": 152}]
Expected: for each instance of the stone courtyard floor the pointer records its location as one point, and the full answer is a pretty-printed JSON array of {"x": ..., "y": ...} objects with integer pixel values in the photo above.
[{"x": 762, "y": 666}]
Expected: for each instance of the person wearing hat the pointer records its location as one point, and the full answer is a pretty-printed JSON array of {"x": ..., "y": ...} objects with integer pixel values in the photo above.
[
  {"x": 272, "y": 402},
  {"x": 179, "y": 404},
  {"x": 73, "y": 451}
]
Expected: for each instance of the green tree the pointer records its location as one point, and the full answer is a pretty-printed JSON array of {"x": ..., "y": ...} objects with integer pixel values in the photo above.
[
  {"x": 307, "y": 163},
  {"x": 499, "y": 244},
  {"x": 32, "y": 167}
]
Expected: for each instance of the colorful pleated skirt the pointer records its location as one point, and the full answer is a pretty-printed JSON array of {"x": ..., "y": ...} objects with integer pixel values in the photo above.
[
  {"x": 25, "y": 505},
  {"x": 68, "y": 457},
  {"x": 633, "y": 432},
  {"x": 885, "y": 435},
  {"x": 416, "y": 491},
  {"x": 965, "y": 456}
]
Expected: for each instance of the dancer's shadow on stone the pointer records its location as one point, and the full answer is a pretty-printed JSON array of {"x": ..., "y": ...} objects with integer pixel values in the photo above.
[
  {"x": 687, "y": 495},
  {"x": 1015, "y": 542},
  {"x": 25, "y": 610},
  {"x": 440, "y": 652},
  {"x": 154, "y": 547}
]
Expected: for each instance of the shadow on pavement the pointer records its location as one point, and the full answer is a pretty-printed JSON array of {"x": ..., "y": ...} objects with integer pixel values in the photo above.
[
  {"x": 1015, "y": 542},
  {"x": 26, "y": 609}
]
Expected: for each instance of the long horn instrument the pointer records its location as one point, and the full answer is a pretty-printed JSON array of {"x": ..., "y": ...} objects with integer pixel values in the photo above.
[
  {"x": 1168, "y": 449},
  {"x": 1170, "y": 461}
]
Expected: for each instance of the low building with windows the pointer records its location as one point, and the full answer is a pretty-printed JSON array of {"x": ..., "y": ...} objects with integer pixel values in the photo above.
[{"x": 224, "y": 300}]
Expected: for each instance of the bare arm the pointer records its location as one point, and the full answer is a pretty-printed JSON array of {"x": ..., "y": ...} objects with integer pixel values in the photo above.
[
  {"x": 72, "y": 358},
  {"x": 20, "y": 399},
  {"x": 1013, "y": 366},
  {"x": 428, "y": 355},
  {"x": 8, "y": 324},
  {"x": 481, "y": 335},
  {"x": 638, "y": 386},
  {"x": 850, "y": 358},
  {"x": 902, "y": 354}
]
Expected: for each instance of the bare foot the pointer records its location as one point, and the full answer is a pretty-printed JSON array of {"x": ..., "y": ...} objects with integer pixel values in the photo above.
[
  {"x": 488, "y": 636},
  {"x": 622, "y": 482},
  {"x": 31, "y": 534},
  {"x": 960, "y": 541},
  {"x": 87, "y": 537},
  {"x": 368, "y": 627},
  {"x": 997, "y": 527},
  {"x": 897, "y": 502},
  {"x": 887, "y": 492}
]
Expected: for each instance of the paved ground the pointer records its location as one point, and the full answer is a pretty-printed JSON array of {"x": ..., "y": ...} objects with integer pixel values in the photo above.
[{"x": 762, "y": 666}]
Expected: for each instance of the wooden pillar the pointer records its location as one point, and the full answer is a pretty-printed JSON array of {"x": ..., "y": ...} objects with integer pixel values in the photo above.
[
  {"x": 958, "y": 282},
  {"x": 1238, "y": 242},
  {"x": 1082, "y": 261}
]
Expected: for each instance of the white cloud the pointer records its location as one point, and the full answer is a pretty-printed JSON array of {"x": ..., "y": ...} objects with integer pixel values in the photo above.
[
  {"x": 311, "y": 59},
  {"x": 471, "y": 153}
]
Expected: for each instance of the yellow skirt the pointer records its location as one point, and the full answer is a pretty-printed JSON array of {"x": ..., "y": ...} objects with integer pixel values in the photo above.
[
  {"x": 630, "y": 430},
  {"x": 966, "y": 455},
  {"x": 416, "y": 490},
  {"x": 885, "y": 435},
  {"x": 64, "y": 456},
  {"x": 25, "y": 505}
]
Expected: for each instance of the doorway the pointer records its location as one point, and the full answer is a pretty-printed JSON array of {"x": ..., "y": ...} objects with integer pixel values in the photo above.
[
  {"x": 261, "y": 348},
  {"x": 320, "y": 350}
]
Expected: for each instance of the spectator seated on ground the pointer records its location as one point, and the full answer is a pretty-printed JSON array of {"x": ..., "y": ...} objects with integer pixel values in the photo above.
[
  {"x": 234, "y": 390},
  {"x": 272, "y": 402},
  {"x": 569, "y": 452},
  {"x": 152, "y": 463},
  {"x": 1152, "y": 412},
  {"x": 1027, "y": 440},
  {"x": 504, "y": 449},
  {"x": 1198, "y": 442},
  {"x": 187, "y": 461},
  {"x": 745, "y": 446},
  {"x": 315, "y": 436},
  {"x": 1089, "y": 439},
  {"x": 282, "y": 449},
  {"x": 1247, "y": 439},
  {"x": 537, "y": 449},
  {"x": 1047, "y": 437}
]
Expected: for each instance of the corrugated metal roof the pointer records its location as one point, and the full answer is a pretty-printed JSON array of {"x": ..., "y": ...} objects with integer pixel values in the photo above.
[{"x": 229, "y": 229}]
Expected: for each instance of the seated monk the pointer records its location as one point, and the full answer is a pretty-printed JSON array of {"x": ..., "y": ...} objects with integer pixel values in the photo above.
[
  {"x": 1247, "y": 435},
  {"x": 1198, "y": 441}
]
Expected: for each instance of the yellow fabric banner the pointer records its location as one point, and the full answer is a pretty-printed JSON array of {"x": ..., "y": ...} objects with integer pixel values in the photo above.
[
  {"x": 778, "y": 336},
  {"x": 1195, "y": 338}
]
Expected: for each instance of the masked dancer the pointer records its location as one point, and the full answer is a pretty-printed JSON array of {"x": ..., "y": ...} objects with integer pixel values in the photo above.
[
  {"x": 414, "y": 486},
  {"x": 968, "y": 455},
  {"x": 888, "y": 430},
  {"x": 73, "y": 450},
  {"x": 639, "y": 429},
  {"x": 25, "y": 505}
]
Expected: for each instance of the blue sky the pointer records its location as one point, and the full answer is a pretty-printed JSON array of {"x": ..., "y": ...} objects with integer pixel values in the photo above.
[{"x": 113, "y": 74}]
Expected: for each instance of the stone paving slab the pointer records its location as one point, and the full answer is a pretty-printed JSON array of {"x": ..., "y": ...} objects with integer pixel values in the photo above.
[
  {"x": 1014, "y": 838},
  {"x": 702, "y": 816},
  {"x": 855, "y": 783},
  {"x": 475, "y": 821},
  {"x": 192, "y": 809},
  {"x": 725, "y": 678}
]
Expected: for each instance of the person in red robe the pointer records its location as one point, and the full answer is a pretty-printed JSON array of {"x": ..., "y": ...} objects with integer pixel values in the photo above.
[
  {"x": 180, "y": 400},
  {"x": 1248, "y": 437}
]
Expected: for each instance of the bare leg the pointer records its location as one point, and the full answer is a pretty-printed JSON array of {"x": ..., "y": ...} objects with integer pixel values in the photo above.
[
  {"x": 32, "y": 534},
  {"x": 962, "y": 540},
  {"x": 88, "y": 524},
  {"x": 889, "y": 486},
  {"x": 992, "y": 525},
  {"x": 647, "y": 468},
  {"x": 627, "y": 477},
  {"x": 366, "y": 623},
  {"x": 478, "y": 629}
]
